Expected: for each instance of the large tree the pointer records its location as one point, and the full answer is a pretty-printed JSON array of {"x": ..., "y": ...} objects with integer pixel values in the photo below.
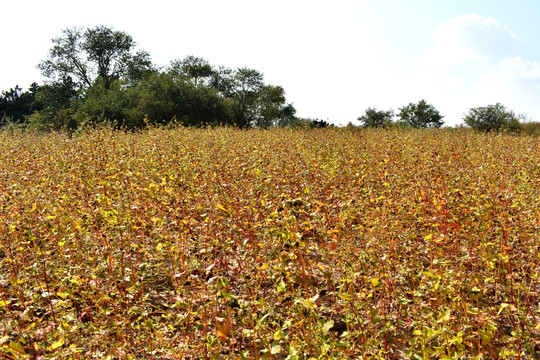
[
  {"x": 99, "y": 53},
  {"x": 420, "y": 115}
]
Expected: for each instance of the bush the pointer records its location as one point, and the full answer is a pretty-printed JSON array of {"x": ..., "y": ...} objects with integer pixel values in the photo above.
[
  {"x": 531, "y": 128},
  {"x": 493, "y": 118},
  {"x": 319, "y": 124}
]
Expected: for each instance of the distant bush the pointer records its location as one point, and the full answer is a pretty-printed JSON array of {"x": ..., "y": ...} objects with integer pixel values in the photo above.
[
  {"x": 493, "y": 118},
  {"x": 319, "y": 124},
  {"x": 530, "y": 128}
]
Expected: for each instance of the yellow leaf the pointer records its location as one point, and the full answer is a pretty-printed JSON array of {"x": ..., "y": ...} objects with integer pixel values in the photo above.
[
  {"x": 17, "y": 347},
  {"x": 345, "y": 296},
  {"x": 472, "y": 311},
  {"x": 220, "y": 207},
  {"x": 57, "y": 344}
]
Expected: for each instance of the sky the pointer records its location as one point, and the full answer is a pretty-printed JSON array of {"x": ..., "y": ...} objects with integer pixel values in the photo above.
[{"x": 334, "y": 59}]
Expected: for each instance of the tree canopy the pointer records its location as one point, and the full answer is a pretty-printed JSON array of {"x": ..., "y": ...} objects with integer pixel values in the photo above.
[
  {"x": 99, "y": 53},
  {"x": 376, "y": 118},
  {"x": 492, "y": 118},
  {"x": 420, "y": 115}
]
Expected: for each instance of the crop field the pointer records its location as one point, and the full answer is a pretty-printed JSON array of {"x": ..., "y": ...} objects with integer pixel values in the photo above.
[{"x": 279, "y": 244}]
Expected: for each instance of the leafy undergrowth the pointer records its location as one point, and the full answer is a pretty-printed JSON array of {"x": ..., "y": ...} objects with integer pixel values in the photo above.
[{"x": 229, "y": 244}]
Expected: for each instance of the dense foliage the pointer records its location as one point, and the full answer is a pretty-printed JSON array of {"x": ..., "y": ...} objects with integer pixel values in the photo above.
[
  {"x": 420, "y": 115},
  {"x": 492, "y": 118},
  {"x": 324, "y": 243},
  {"x": 377, "y": 118},
  {"x": 97, "y": 75},
  {"x": 16, "y": 104}
]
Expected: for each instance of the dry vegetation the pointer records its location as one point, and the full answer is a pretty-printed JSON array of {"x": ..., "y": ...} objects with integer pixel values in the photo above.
[{"x": 229, "y": 244}]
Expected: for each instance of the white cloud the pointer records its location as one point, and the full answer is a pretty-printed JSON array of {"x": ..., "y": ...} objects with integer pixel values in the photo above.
[
  {"x": 468, "y": 38},
  {"x": 474, "y": 61},
  {"x": 520, "y": 68}
]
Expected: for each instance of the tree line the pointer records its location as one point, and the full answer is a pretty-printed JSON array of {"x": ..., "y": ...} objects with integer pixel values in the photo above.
[
  {"x": 495, "y": 117},
  {"x": 97, "y": 74}
]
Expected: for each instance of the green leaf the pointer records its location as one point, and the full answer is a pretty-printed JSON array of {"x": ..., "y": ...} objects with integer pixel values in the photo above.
[
  {"x": 445, "y": 316},
  {"x": 345, "y": 296},
  {"x": 281, "y": 287},
  {"x": 261, "y": 321},
  {"x": 403, "y": 301}
]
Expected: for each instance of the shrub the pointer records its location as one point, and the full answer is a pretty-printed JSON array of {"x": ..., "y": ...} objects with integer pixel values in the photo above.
[{"x": 531, "y": 128}]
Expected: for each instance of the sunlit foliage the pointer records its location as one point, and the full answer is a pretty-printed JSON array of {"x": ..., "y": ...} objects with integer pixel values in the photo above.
[{"x": 324, "y": 243}]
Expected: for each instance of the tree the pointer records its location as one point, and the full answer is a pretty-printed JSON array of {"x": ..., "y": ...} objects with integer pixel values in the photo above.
[
  {"x": 242, "y": 89},
  {"x": 55, "y": 103},
  {"x": 272, "y": 109},
  {"x": 163, "y": 97},
  {"x": 16, "y": 104},
  {"x": 194, "y": 68},
  {"x": 376, "y": 118},
  {"x": 98, "y": 53},
  {"x": 420, "y": 115},
  {"x": 492, "y": 118}
]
